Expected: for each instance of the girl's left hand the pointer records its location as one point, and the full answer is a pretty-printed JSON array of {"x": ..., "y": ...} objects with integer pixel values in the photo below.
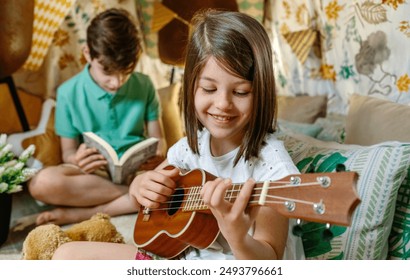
[{"x": 234, "y": 218}]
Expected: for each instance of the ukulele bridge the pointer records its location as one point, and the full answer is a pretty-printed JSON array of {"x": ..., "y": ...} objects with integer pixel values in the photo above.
[{"x": 146, "y": 214}]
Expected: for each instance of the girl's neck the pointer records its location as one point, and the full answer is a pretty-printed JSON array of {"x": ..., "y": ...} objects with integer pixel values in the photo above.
[{"x": 220, "y": 147}]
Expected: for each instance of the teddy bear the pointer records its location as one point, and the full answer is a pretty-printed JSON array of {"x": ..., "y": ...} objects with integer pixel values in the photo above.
[{"x": 42, "y": 241}]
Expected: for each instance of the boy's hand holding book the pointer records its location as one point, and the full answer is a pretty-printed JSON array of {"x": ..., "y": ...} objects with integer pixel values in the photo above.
[{"x": 89, "y": 159}]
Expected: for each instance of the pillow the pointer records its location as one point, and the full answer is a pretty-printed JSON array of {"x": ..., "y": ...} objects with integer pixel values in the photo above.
[
  {"x": 381, "y": 170},
  {"x": 171, "y": 115},
  {"x": 303, "y": 128},
  {"x": 373, "y": 120},
  {"x": 303, "y": 108}
]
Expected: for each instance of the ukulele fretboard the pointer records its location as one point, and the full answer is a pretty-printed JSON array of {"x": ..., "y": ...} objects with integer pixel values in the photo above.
[{"x": 194, "y": 201}]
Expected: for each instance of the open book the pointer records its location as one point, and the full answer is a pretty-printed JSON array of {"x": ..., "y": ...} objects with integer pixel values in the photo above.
[{"x": 120, "y": 169}]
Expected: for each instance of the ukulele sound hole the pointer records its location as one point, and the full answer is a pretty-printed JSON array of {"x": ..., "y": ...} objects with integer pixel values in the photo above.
[{"x": 176, "y": 201}]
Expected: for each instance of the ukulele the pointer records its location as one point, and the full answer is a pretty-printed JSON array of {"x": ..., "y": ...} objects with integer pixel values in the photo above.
[{"x": 184, "y": 220}]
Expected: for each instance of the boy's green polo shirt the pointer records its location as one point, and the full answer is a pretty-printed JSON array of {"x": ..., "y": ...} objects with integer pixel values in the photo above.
[{"x": 118, "y": 118}]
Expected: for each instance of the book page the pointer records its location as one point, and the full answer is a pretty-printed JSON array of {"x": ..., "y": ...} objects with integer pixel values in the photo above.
[
  {"x": 150, "y": 144},
  {"x": 137, "y": 157},
  {"x": 93, "y": 140}
]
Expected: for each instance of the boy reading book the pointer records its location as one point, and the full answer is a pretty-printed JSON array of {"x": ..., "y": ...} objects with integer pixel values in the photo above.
[{"x": 111, "y": 100}]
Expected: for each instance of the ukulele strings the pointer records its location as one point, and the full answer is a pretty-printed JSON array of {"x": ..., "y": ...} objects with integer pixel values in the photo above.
[{"x": 197, "y": 202}]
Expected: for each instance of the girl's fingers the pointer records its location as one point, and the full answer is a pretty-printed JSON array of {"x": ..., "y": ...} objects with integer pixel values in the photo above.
[
  {"x": 214, "y": 194},
  {"x": 149, "y": 204},
  {"x": 152, "y": 199},
  {"x": 208, "y": 189},
  {"x": 153, "y": 187},
  {"x": 219, "y": 195},
  {"x": 242, "y": 200}
]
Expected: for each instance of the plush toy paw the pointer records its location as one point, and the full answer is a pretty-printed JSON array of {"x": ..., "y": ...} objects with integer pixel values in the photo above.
[{"x": 41, "y": 242}]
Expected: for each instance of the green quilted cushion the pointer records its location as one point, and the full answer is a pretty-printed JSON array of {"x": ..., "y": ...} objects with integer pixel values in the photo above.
[
  {"x": 381, "y": 168},
  {"x": 399, "y": 240}
]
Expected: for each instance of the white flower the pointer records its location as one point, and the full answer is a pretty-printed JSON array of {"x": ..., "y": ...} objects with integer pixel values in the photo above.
[
  {"x": 28, "y": 173},
  {"x": 9, "y": 164},
  {"x": 5, "y": 150},
  {"x": 18, "y": 166},
  {"x": 27, "y": 153},
  {"x": 13, "y": 170},
  {"x": 3, "y": 187},
  {"x": 15, "y": 188}
]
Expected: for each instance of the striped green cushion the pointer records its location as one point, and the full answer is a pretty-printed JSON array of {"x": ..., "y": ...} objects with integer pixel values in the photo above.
[
  {"x": 381, "y": 170},
  {"x": 399, "y": 240}
]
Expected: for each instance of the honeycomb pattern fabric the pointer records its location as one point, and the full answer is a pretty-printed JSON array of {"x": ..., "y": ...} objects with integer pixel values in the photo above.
[{"x": 48, "y": 16}]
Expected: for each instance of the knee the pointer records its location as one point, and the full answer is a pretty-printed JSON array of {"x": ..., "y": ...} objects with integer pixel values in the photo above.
[
  {"x": 66, "y": 251},
  {"x": 44, "y": 183}
]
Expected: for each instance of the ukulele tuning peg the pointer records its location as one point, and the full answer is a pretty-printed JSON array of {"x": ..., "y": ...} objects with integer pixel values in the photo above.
[
  {"x": 327, "y": 234},
  {"x": 297, "y": 229},
  {"x": 340, "y": 167}
]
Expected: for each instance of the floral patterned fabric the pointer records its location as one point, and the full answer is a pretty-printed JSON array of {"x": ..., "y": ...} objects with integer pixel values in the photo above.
[{"x": 359, "y": 48}]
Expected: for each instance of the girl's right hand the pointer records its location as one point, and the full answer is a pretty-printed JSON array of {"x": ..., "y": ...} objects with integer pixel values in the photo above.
[
  {"x": 89, "y": 159},
  {"x": 154, "y": 187}
]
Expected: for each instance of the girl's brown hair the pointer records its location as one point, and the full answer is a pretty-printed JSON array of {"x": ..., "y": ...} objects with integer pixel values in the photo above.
[
  {"x": 112, "y": 38},
  {"x": 241, "y": 45}
]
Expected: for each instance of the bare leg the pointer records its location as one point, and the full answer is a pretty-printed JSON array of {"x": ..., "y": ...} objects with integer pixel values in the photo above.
[
  {"x": 83, "y": 194},
  {"x": 95, "y": 251},
  {"x": 66, "y": 215},
  {"x": 69, "y": 186}
]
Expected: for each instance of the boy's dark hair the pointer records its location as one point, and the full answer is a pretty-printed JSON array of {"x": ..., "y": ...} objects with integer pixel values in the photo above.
[
  {"x": 112, "y": 38},
  {"x": 240, "y": 44}
]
